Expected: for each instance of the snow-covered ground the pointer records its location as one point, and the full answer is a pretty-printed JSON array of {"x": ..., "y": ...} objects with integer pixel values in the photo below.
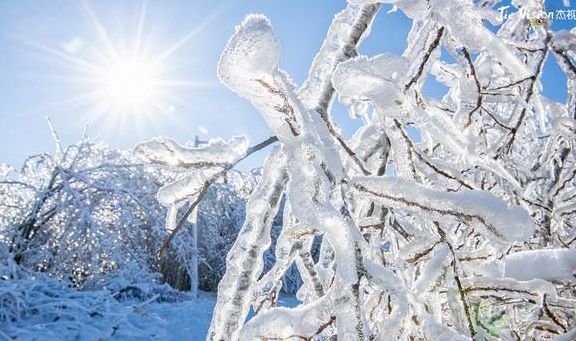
[
  {"x": 188, "y": 320},
  {"x": 130, "y": 321}
]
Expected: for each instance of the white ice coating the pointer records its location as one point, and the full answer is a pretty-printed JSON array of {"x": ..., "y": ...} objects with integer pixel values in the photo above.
[
  {"x": 187, "y": 187},
  {"x": 433, "y": 269},
  {"x": 532, "y": 289},
  {"x": 481, "y": 209},
  {"x": 244, "y": 261},
  {"x": 376, "y": 78},
  {"x": 217, "y": 152},
  {"x": 564, "y": 126},
  {"x": 252, "y": 52},
  {"x": 547, "y": 264},
  {"x": 249, "y": 67}
]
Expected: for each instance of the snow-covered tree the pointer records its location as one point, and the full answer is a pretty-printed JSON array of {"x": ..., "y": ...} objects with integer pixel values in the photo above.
[
  {"x": 440, "y": 219},
  {"x": 83, "y": 214}
]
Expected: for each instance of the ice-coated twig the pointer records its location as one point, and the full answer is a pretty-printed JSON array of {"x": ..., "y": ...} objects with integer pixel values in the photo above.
[
  {"x": 244, "y": 261},
  {"x": 347, "y": 30},
  {"x": 165, "y": 151},
  {"x": 173, "y": 212},
  {"x": 217, "y": 157},
  {"x": 481, "y": 209}
]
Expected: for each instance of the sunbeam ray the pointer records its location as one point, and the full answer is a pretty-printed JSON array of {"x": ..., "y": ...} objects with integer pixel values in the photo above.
[
  {"x": 140, "y": 26},
  {"x": 101, "y": 30}
]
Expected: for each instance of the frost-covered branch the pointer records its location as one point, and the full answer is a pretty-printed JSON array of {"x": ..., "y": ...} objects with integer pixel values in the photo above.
[{"x": 465, "y": 184}]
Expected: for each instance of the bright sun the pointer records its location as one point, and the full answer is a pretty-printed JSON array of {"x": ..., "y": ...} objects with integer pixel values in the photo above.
[{"x": 129, "y": 83}]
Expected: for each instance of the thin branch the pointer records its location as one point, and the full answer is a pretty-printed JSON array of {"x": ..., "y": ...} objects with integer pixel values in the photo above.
[
  {"x": 505, "y": 86},
  {"x": 317, "y": 92},
  {"x": 187, "y": 214},
  {"x": 553, "y": 316},
  {"x": 478, "y": 86},
  {"x": 529, "y": 93},
  {"x": 206, "y": 185},
  {"x": 427, "y": 55},
  {"x": 461, "y": 290}
]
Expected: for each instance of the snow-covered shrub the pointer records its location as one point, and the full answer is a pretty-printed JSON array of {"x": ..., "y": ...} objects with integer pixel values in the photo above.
[
  {"x": 103, "y": 203},
  {"x": 35, "y": 306},
  {"x": 429, "y": 213},
  {"x": 83, "y": 213}
]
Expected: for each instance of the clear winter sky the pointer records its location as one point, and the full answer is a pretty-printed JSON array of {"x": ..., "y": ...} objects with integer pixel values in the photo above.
[{"x": 69, "y": 60}]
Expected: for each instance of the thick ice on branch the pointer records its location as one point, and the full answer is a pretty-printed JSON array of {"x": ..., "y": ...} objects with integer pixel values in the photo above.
[
  {"x": 249, "y": 67},
  {"x": 376, "y": 78},
  {"x": 481, "y": 209},
  {"x": 565, "y": 126},
  {"x": 548, "y": 264},
  {"x": 508, "y": 287},
  {"x": 213, "y": 158},
  {"x": 283, "y": 323},
  {"x": 347, "y": 30},
  {"x": 252, "y": 53},
  {"x": 244, "y": 262},
  {"x": 186, "y": 187},
  {"x": 166, "y": 151}
]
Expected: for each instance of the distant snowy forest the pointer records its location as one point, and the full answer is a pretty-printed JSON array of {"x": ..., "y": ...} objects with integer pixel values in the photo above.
[{"x": 448, "y": 218}]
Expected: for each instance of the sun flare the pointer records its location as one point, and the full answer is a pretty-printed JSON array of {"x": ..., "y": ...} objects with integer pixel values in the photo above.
[
  {"x": 126, "y": 76},
  {"x": 130, "y": 83}
]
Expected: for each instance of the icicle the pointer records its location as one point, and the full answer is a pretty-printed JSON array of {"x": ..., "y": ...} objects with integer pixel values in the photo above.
[{"x": 171, "y": 218}]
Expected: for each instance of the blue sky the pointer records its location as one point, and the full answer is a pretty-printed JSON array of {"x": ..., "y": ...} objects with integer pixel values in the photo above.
[{"x": 50, "y": 48}]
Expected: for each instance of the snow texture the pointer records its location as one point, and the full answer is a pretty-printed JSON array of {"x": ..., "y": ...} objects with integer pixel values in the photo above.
[
  {"x": 481, "y": 209},
  {"x": 253, "y": 52},
  {"x": 166, "y": 151},
  {"x": 547, "y": 264}
]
